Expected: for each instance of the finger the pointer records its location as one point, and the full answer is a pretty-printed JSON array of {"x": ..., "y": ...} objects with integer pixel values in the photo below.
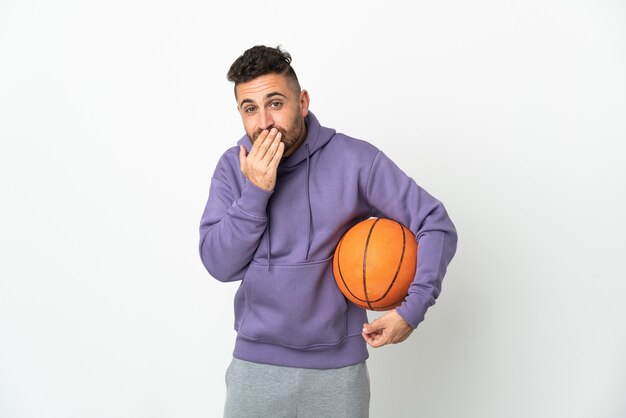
[
  {"x": 265, "y": 144},
  {"x": 375, "y": 326},
  {"x": 368, "y": 338},
  {"x": 378, "y": 343},
  {"x": 257, "y": 142},
  {"x": 375, "y": 340},
  {"x": 372, "y": 335},
  {"x": 242, "y": 157},
  {"x": 273, "y": 148},
  {"x": 279, "y": 154}
]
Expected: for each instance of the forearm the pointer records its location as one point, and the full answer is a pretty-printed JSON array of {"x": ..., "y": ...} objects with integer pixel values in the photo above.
[
  {"x": 435, "y": 250},
  {"x": 229, "y": 235},
  {"x": 393, "y": 194}
]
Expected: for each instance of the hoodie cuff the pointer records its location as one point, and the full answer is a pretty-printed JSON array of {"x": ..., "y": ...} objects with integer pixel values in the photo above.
[
  {"x": 253, "y": 200},
  {"x": 414, "y": 308}
]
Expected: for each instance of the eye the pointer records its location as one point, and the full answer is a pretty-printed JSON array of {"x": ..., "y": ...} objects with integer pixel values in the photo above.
[
  {"x": 276, "y": 105},
  {"x": 249, "y": 109}
]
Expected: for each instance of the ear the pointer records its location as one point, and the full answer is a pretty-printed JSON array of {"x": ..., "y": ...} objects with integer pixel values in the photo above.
[{"x": 304, "y": 102}]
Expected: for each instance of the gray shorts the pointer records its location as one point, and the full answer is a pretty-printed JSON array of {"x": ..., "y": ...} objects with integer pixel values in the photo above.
[{"x": 261, "y": 390}]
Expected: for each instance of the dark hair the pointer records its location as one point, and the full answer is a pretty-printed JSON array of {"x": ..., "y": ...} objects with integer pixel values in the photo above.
[{"x": 261, "y": 60}]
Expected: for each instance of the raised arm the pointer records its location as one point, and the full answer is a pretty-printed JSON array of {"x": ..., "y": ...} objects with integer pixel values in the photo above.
[{"x": 235, "y": 215}]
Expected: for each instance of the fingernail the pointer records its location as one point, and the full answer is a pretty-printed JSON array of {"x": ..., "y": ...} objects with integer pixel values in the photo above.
[{"x": 273, "y": 131}]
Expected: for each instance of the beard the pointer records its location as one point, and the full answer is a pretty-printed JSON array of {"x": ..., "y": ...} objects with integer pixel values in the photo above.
[{"x": 292, "y": 135}]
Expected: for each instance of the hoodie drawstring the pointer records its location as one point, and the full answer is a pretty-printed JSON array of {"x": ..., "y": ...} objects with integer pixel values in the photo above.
[
  {"x": 269, "y": 246},
  {"x": 308, "y": 202},
  {"x": 310, "y": 214}
]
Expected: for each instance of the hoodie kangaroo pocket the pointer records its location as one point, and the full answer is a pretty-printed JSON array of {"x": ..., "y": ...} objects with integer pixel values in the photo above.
[{"x": 297, "y": 306}]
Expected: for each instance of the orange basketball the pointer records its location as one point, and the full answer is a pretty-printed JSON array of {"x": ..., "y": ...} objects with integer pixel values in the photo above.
[{"x": 374, "y": 263}]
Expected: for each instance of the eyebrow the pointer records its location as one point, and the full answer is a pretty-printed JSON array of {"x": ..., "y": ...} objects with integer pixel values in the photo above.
[{"x": 267, "y": 96}]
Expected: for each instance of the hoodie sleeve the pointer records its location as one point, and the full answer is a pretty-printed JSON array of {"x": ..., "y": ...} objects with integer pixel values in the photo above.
[
  {"x": 392, "y": 194},
  {"x": 232, "y": 224}
]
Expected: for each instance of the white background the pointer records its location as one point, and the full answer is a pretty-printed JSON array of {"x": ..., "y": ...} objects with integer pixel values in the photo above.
[{"x": 113, "y": 115}]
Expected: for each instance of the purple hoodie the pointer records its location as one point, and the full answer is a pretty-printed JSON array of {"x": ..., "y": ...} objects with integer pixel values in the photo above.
[{"x": 280, "y": 244}]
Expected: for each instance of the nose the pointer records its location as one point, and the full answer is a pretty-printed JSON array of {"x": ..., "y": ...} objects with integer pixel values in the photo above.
[{"x": 265, "y": 120}]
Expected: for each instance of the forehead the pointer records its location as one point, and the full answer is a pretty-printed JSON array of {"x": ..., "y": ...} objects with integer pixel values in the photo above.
[{"x": 257, "y": 89}]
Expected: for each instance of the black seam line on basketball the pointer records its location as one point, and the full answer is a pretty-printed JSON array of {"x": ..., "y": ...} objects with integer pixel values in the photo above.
[
  {"x": 346, "y": 284},
  {"x": 381, "y": 298},
  {"x": 399, "y": 263},
  {"x": 341, "y": 274},
  {"x": 367, "y": 243},
  {"x": 395, "y": 276}
]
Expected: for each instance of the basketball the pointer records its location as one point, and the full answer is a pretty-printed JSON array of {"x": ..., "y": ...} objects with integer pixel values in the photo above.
[{"x": 374, "y": 263}]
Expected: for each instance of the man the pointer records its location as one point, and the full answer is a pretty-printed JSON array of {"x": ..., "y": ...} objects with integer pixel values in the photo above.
[{"x": 277, "y": 207}]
